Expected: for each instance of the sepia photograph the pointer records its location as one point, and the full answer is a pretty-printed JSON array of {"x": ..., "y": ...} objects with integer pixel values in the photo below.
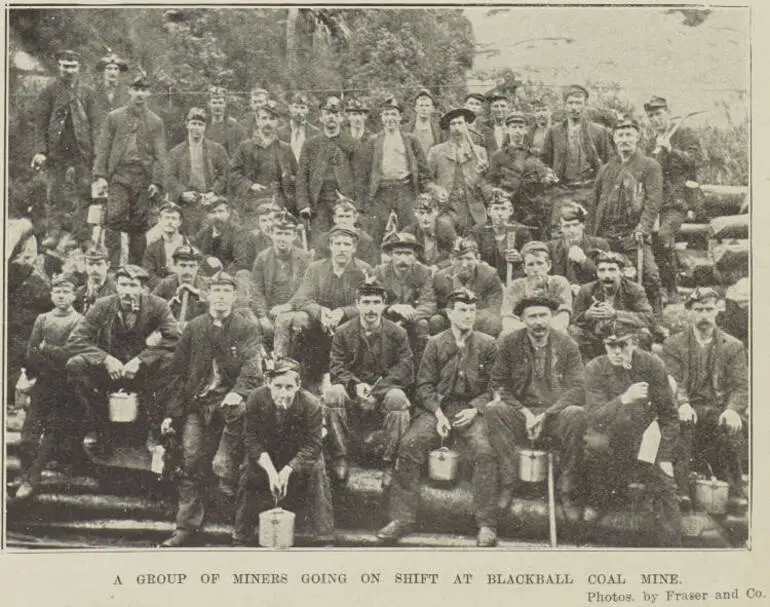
[{"x": 326, "y": 278}]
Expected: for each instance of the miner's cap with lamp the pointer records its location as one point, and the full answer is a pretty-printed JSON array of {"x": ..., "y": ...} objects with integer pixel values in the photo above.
[{"x": 401, "y": 240}]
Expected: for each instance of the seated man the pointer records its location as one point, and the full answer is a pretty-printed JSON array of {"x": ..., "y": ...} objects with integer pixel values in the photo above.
[
  {"x": 109, "y": 350},
  {"x": 250, "y": 243},
  {"x": 572, "y": 254},
  {"x": 158, "y": 254},
  {"x": 632, "y": 428},
  {"x": 598, "y": 303},
  {"x": 275, "y": 277},
  {"x": 710, "y": 370},
  {"x": 436, "y": 238},
  {"x": 217, "y": 240},
  {"x": 452, "y": 393},
  {"x": 214, "y": 369},
  {"x": 537, "y": 281},
  {"x": 184, "y": 289},
  {"x": 539, "y": 376},
  {"x": 284, "y": 462},
  {"x": 468, "y": 271},
  {"x": 502, "y": 238},
  {"x": 409, "y": 286},
  {"x": 326, "y": 298},
  {"x": 371, "y": 369},
  {"x": 98, "y": 282},
  {"x": 345, "y": 215}
]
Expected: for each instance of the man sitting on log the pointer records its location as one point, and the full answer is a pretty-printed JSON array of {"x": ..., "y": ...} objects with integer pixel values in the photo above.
[
  {"x": 184, "y": 289},
  {"x": 346, "y": 215}
]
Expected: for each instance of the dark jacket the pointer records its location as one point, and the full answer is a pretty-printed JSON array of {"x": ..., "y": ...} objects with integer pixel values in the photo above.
[
  {"x": 574, "y": 272},
  {"x": 597, "y": 146},
  {"x": 395, "y": 364},
  {"x": 150, "y": 140},
  {"x": 167, "y": 289},
  {"x": 237, "y": 358},
  {"x": 214, "y": 166},
  {"x": 83, "y": 300},
  {"x": 441, "y": 364},
  {"x": 313, "y": 293},
  {"x": 485, "y": 283},
  {"x": 490, "y": 143},
  {"x": 630, "y": 297},
  {"x": 678, "y": 166},
  {"x": 263, "y": 272},
  {"x": 513, "y": 371},
  {"x": 227, "y": 133},
  {"x": 728, "y": 369},
  {"x": 518, "y": 171},
  {"x": 94, "y": 336},
  {"x": 313, "y": 163},
  {"x": 244, "y": 167},
  {"x": 444, "y": 239},
  {"x": 224, "y": 250},
  {"x": 247, "y": 245},
  {"x": 104, "y": 105},
  {"x": 296, "y": 442},
  {"x": 155, "y": 262},
  {"x": 416, "y": 290},
  {"x": 366, "y": 249},
  {"x": 490, "y": 252}
]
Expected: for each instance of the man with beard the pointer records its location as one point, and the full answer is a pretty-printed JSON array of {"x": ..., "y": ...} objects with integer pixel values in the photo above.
[
  {"x": 711, "y": 375},
  {"x": 98, "y": 283},
  {"x": 158, "y": 254},
  {"x": 599, "y": 302},
  {"x": 425, "y": 127},
  {"x": 111, "y": 93},
  {"x": 539, "y": 376},
  {"x": 216, "y": 366},
  {"x": 223, "y": 128},
  {"x": 537, "y": 282},
  {"x": 299, "y": 129},
  {"x": 628, "y": 194},
  {"x": 325, "y": 168},
  {"x": 346, "y": 215},
  {"x": 536, "y": 133},
  {"x": 184, "y": 282},
  {"x": 452, "y": 385},
  {"x": 409, "y": 288},
  {"x": 469, "y": 272},
  {"x": 284, "y": 461},
  {"x": 371, "y": 368},
  {"x": 630, "y": 404},
  {"x": 456, "y": 167},
  {"x": 393, "y": 173},
  {"x": 262, "y": 167},
  {"x": 575, "y": 149},
  {"x": 275, "y": 276},
  {"x": 678, "y": 151},
  {"x": 257, "y": 98},
  {"x": 197, "y": 171},
  {"x": 131, "y": 160},
  {"x": 218, "y": 238},
  {"x": 572, "y": 253},
  {"x": 436, "y": 238},
  {"x": 515, "y": 169},
  {"x": 109, "y": 351},
  {"x": 495, "y": 132},
  {"x": 66, "y": 121}
]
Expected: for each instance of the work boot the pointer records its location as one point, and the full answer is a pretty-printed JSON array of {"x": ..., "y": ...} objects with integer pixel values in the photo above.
[
  {"x": 505, "y": 498},
  {"x": 179, "y": 539},
  {"x": 25, "y": 491},
  {"x": 487, "y": 537},
  {"x": 387, "y": 478},
  {"x": 572, "y": 511},
  {"x": 394, "y": 531},
  {"x": 340, "y": 470}
]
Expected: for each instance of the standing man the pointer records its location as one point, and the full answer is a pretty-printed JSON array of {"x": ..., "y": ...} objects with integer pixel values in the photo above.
[
  {"x": 677, "y": 149},
  {"x": 495, "y": 133},
  {"x": 536, "y": 133},
  {"x": 299, "y": 129},
  {"x": 452, "y": 385},
  {"x": 425, "y": 127},
  {"x": 394, "y": 172},
  {"x": 539, "y": 374},
  {"x": 131, "y": 161},
  {"x": 628, "y": 194},
  {"x": 111, "y": 93},
  {"x": 325, "y": 168},
  {"x": 98, "y": 282},
  {"x": 575, "y": 149},
  {"x": 223, "y": 128},
  {"x": 474, "y": 102},
  {"x": 197, "y": 171},
  {"x": 356, "y": 112},
  {"x": 456, "y": 167},
  {"x": 216, "y": 366},
  {"x": 257, "y": 99},
  {"x": 66, "y": 121},
  {"x": 628, "y": 395}
]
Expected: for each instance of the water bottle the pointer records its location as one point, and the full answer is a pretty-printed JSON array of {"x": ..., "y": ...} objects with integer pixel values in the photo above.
[{"x": 23, "y": 386}]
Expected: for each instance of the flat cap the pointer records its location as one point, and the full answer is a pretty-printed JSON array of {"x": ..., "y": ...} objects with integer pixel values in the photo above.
[
  {"x": 355, "y": 105},
  {"x": 391, "y": 103},
  {"x": 537, "y": 102},
  {"x": 345, "y": 201},
  {"x": 59, "y": 280},
  {"x": 456, "y": 113},
  {"x": 701, "y": 294},
  {"x": 185, "y": 253},
  {"x": 572, "y": 210},
  {"x": 68, "y": 56},
  {"x": 618, "y": 330},
  {"x": 576, "y": 89},
  {"x": 133, "y": 272},
  {"x": 96, "y": 253},
  {"x": 267, "y": 208},
  {"x": 371, "y": 286},
  {"x": 170, "y": 207},
  {"x": 222, "y": 278},
  {"x": 111, "y": 59},
  {"x": 533, "y": 301},
  {"x": 496, "y": 96},
  {"x": 196, "y": 113},
  {"x": 535, "y": 246},
  {"x": 331, "y": 103},
  {"x": 654, "y": 103},
  {"x": 610, "y": 257},
  {"x": 476, "y": 96},
  {"x": 285, "y": 221},
  {"x": 463, "y": 246},
  {"x": 342, "y": 231},
  {"x": 517, "y": 117},
  {"x": 463, "y": 295},
  {"x": 425, "y": 93},
  {"x": 401, "y": 240},
  {"x": 283, "y": 365},
  {"x": 627, "y": 122}
]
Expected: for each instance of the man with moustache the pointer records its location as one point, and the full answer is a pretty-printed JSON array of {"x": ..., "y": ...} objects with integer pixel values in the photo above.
[
  {"x": 214, "y": 369},
  {"x": 223, "y": 128},
  {"x": 109, "y": 352},
  {"x": 495, "y": 132},
  {"x": 185, "y": 278},
  {"x": 628, "y": 193},
  {"x": 197, "y": 171},
  {"x": 98, "y": 282},
  {"x": 539, "y": 375},
  {"x": 111, "y": 93},
  {"x": 710, "y": 370},
  {"x": 627, "y": 394},
  {"x": 346, "y": 215},
  {"x": 263, "y": 167},
  {"x": 66, "y": 127},
  {"x": 474, "y": 103},
  {"x": 425, "y": 127},
  {"x": 436, "y": 238},
  {"x": 409, "y": 288},
  {"x": 218, "y": 238},
  {"x": 158, "y": 254},
  {"x": 452, "y": 385},
  {"x": 536, "y": 133},
  {"x": 257, "y": 98},
  {"x": 130, "y": 165},
  {"x": 298, "y": 130},
  {"x": 371, "y": 368},
  {"x": 325, "y": 168}
]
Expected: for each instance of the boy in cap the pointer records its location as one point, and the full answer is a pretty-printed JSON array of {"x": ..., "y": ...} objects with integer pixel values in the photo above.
[
  {"x": 130, "y": 165},
  {"x": 223, "y": 128},
  {"x": 452, "y": 384},
  {"x": 283, "y": 427},
  {"x": 184, "y": 278},
  {"x": 158, "y": 255},
  {"x": 628, "y": 396},
  {"x": 346, "y": 214},
  {"x": 98, "y": 282},
  {"x": 371, "y": 369},
  {"x": 710, "y": 370},
  {"x": 298, "y": 130},
  {"x": 214, "y": 369},
  {"x": 52, "y": 410},
  {"x": 436, "y": 235},
  {"x": 197, "y": 171}
]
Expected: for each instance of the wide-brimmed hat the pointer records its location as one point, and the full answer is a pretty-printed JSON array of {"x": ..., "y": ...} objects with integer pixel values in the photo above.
[{"x": 455, "y": 113}]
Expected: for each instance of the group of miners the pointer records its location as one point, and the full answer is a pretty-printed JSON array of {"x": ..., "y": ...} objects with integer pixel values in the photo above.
[{"x": 316, "y": 296}]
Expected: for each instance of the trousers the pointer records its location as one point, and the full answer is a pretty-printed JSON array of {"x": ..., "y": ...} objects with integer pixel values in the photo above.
[{"x": 128, "y": 210}]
